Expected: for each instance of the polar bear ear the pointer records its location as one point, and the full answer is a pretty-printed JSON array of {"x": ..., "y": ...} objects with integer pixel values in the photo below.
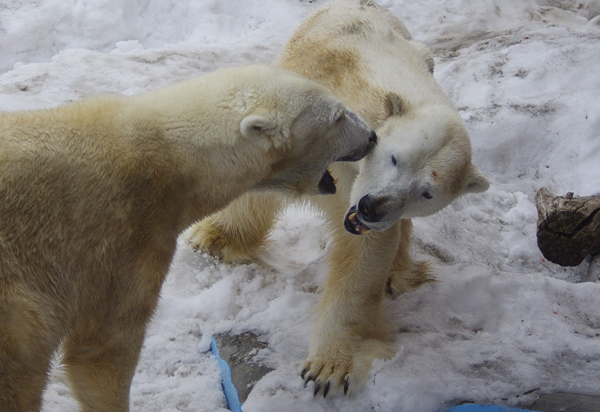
[
  {"x": 264, "y": 127},
  {"x": 257, "y": 124},
  {"x": 393, "y": 104},
  {"x": 476, "y": 181}
]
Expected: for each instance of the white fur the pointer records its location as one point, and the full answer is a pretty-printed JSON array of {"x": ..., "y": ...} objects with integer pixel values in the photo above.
[
  {"x": 366, "y": 56},
  {"x": 94, "y": 194}
]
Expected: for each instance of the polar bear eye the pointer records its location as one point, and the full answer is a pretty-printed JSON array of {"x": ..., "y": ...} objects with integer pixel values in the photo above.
[
  {"x": 394, "y": 161},
  {"x": 427, "y": 195}
]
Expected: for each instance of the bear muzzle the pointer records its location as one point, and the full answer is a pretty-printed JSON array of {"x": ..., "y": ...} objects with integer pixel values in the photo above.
[
  {"x": 360, "y": 152},
  {"x": 327, "y": 183},
  {"x": 367, "y": 212}
]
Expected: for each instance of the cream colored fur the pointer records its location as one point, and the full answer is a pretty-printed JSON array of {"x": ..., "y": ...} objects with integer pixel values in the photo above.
[
  {"x": 94, "y": 194},
  {"x": 367, "y": 57}
]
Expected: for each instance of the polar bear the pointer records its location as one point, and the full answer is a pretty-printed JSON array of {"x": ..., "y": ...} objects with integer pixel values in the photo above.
[
  {"x": 422, "y": 162},
  {"x": 94, "y": 194}
]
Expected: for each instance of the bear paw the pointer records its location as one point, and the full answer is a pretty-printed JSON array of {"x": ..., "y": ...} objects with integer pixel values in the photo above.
[
  {"x": 343, "y": 369},
  {"x": 401, "y": 281},
  {"x": 210, "y": 238}
]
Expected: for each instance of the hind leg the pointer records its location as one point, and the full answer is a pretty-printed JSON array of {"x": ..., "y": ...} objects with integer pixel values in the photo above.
[
  {"x": 27, "y": 342},
  {"x": 406, "y": 274},
  {"x": 239, "y": 232},
  {"x": 100, "y": 362}
]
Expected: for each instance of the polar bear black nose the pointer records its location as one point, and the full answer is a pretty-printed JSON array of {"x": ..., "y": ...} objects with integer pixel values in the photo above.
[
  {"x": 373, "y": 138},
  {"x": 366, "y": 210},
  {"x": 370, "y": 208}
]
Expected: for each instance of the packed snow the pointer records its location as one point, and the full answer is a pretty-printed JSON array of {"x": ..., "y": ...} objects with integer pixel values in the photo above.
[{"x": 501, "y": 326}]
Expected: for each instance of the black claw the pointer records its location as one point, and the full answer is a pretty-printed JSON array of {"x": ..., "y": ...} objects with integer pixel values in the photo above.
[
  {"x": 303, "y": 372},
  {"x": 317, "y": 387},
  {"x": 326, "y": 390},
  {"x": 308, "y": 379},
  {"x": 346, "y": 386}
]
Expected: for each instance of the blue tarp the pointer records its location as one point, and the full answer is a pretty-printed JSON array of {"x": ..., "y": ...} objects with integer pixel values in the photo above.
[
  {"x": 484, "y": 408},
  {"x": 231, "y": 393}
]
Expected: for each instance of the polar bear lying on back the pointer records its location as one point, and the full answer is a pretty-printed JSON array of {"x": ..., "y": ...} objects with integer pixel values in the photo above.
[
  {"x": 94, "y": 194},
  {"x": 422, "y": 162}
]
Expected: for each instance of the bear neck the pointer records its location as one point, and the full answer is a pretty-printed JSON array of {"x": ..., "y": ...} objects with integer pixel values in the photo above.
[{"x": 189, "y": 171}]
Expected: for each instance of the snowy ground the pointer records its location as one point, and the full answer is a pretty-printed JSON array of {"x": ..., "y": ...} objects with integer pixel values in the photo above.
[{"x": 501, "y": 326}]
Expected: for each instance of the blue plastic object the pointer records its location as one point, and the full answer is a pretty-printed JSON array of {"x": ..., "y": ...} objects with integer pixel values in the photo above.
[
  {"x": 231, "y": 393},
  {"x": 484, "y": 408}
]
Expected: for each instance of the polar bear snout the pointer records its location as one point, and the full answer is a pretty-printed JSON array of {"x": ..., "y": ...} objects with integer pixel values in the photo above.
[
  {"x": 364, "y": 139},
  {"x": 369, "y": 214},
  {"x": 360, "y": 152}
]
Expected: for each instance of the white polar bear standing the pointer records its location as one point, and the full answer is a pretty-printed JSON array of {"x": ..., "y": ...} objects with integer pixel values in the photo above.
[
  {"x": 94, "y": 194},
  {"x": 422, "y": 162}
]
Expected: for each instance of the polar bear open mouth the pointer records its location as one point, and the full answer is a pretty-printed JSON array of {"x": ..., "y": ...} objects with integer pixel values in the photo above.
[
  {"x": 327, "y": 184},
  {"x": 353, "y": 225}
]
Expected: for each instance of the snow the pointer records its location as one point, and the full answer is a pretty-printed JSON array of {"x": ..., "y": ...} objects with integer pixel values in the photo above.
[{"x": 502, "y": 325}]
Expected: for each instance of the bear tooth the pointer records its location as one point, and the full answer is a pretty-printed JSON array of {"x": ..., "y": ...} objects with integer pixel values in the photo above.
[
  {"x": 335, "y": 181},
  {"x": 352, "y": 217},
  {"x": 364, "y": 230}
]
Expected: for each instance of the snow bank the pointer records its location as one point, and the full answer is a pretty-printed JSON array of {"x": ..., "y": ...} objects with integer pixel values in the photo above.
[{"x": 500, "y": 326}]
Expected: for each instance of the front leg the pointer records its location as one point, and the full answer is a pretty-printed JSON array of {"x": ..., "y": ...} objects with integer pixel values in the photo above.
[
  {"x": 406, "y": 274},
  {"x": 238, "y": 232},
  {"x": 351, "y": 330}
]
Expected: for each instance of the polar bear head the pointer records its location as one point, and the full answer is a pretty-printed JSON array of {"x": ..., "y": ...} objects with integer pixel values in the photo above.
[
  {"x": 421, "y": 164},
  {"x": 260, "y": 127},
  {"x": 301, "y": 127}
]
